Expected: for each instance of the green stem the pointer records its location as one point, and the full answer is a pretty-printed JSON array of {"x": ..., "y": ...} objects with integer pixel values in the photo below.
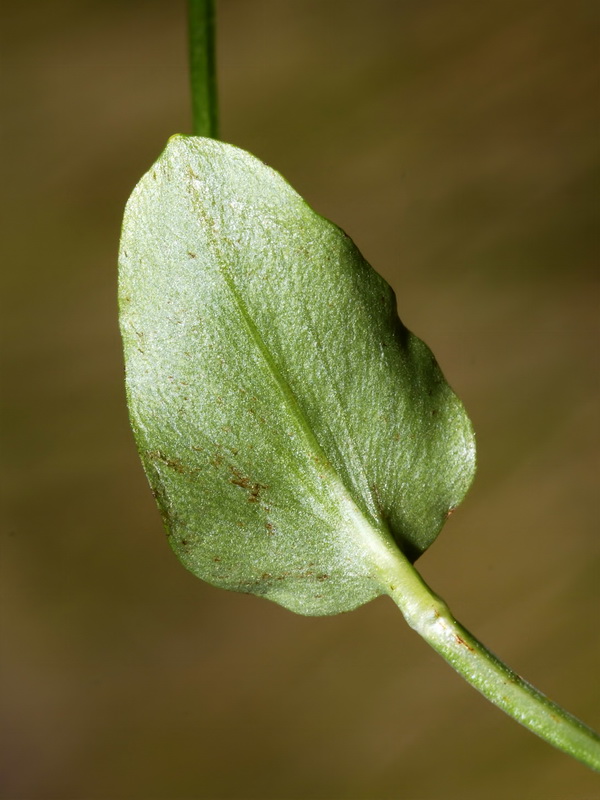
[
  {"x": 431, "y": 617},
  {"x": 202, "y": 68}
]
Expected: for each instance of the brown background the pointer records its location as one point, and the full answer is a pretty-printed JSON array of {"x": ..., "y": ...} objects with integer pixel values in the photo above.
[{"x": 457, "y": 143}]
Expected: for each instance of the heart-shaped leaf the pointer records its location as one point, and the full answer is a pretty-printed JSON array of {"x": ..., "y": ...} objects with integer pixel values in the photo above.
[{"x": 291, "y": 428}]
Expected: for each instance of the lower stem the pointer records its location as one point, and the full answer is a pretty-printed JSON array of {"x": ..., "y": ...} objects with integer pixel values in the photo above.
[{"x": 432, "y": 619}]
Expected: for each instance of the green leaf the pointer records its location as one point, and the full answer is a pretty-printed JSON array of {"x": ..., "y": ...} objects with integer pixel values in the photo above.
[{"x": 293, "y": 431}]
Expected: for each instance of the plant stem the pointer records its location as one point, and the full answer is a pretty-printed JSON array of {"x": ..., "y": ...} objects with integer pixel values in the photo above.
[
  {"x": 202, "y": 68},
  {"x": 431, "y": 617}
]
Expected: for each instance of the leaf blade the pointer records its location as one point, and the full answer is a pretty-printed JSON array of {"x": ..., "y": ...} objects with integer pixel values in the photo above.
[{"x": 283, "y": 413}]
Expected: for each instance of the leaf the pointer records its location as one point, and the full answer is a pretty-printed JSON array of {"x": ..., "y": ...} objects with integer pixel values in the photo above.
[{"x": 291, "y": 428}]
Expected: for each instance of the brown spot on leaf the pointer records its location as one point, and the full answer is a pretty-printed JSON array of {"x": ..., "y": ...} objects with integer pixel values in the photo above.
[
  {"x": 173, "y": 463},
  {"x": 241, "y": 480}
]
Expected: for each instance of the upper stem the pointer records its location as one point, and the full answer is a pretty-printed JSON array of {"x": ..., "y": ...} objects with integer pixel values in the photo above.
[
  {"x": 431, "y": 617},
  {"x": 202, "y": 68}
]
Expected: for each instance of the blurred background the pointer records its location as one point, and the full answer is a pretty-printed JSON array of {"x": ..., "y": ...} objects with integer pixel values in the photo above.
[{"x": 457, "y": 143}]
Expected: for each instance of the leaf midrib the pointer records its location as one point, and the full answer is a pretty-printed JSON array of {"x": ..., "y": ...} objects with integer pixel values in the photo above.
[{"x": 337, "y": 487}]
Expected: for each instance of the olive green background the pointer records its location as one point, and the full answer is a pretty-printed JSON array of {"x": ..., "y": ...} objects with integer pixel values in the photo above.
[{"x": 457, "y": 143}]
